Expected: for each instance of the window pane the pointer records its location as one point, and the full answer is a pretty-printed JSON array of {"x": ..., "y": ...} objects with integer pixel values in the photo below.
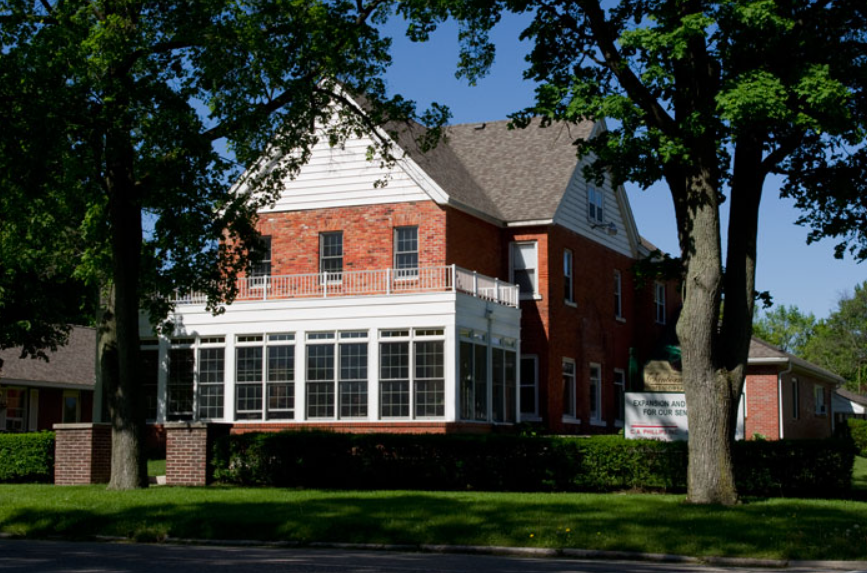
[
  {"x": 429, "y": 384},
  {"x": 466, "y": 366},
  {"x": 263, "y": 267},
  {"x": 526, "y": 280},
  {"x": 394, "y": 361},
  {"x": 180, "y": 384},
  {"x": 499, "y": 385},
  {"x": 320, "y": 380},
  {"x": 70, "y": 408},
  {"x": 394, "y": 398},
  {"x": 281, "y": 375},
  {"x": 528, "y": 386},
  {"x": 211, "y": 376},
  {"x": 150, "y": 362},
  {"x": 248, "y": 401},
  {"x": 511, "y": 379},
  {"x": 480, "y": 372},
  {"x": 406, "y": 250},
  {"x": 248, "y": 364},
  {"x": 331, "y": 252},
  {"x": 353, "y": 380}
]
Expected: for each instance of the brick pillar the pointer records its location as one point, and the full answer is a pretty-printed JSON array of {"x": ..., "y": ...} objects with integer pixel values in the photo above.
[
  {"x": 82, "y": 454},
  {"x": 186, "y": 453}
]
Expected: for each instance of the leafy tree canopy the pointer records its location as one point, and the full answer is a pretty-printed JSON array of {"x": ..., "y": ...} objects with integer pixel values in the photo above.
[
  {"x": 840, "y": 341},
  {"x": 712, "y": 97},
  {"x": 786, "y": 327}
]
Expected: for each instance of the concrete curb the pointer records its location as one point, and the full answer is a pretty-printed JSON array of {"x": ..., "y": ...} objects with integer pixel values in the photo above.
[{"x": 530, "y": 552}]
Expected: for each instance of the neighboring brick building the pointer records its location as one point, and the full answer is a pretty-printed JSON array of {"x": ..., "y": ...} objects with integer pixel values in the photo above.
[
  {"x": 36, "y": 394},
  {"x": 786, "y": 396},
  {"x": 394, "y": 308}
]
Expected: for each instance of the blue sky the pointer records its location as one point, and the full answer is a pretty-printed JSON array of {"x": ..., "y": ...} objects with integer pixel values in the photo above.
[{"x": 795, "y": 273}]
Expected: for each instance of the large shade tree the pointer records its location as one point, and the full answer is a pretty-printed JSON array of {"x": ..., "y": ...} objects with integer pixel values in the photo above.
[
  {"x": 125, "y": 123},
  {"x": 711, "y": 97}
]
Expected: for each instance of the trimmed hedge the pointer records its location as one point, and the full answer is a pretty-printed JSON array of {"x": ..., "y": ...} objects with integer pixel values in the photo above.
[
  {"x": 820, "y": 468},
  {"x": 858, "y": 432},
  {"x": 27, "y": 457}
]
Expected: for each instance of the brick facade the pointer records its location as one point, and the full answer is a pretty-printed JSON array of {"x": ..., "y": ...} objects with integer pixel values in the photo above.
[
  {"x": 82, "y": 454},
  {"x": 188, "y": 450},
  {"x": 808, "y": 423},
  {"x": 762, "y": 404},
  {"x": 368, "y": 235}
]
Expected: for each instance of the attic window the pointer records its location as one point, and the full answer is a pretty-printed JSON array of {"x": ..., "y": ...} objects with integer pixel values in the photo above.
[{"x": 595, "y": 205}]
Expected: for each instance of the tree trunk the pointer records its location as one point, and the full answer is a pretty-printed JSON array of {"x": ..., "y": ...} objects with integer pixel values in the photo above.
[
  {"x": 128, "y": 464},
  {"x": 710, "y": 477}
]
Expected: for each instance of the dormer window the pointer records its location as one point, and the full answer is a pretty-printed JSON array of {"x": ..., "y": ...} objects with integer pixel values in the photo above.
[{"x": 595, "y": 203}]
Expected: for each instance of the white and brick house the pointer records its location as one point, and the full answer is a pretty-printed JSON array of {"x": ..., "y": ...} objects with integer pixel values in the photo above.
[{"x": 488, "y": 282}]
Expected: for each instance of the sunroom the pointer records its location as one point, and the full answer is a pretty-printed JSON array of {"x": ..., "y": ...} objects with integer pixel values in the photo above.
[{"x": 365, "y": 351}]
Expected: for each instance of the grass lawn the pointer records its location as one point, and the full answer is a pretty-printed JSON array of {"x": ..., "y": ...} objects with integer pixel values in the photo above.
[
  {"x": 773, "y": 528},
  {"x": 156, "y": 468},
  {"x": 859, "y": 475}
]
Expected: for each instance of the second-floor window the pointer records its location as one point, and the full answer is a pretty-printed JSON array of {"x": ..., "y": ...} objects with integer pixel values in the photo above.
[
  {"x": 524, "y": 268},
  {"x": 595, "y": 205},
  {"x": 331, "y": 254},
  {"x": 569, "y": 294},
  {"x": 262, "y": 269},
  {"x": 406, "y": 252},
  {"x": 659, "y": 302}
]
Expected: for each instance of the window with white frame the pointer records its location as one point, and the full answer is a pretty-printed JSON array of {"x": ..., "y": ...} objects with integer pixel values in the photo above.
[
  {"x": 819, "y": 399},
  {"x": 569, "y": 389},
  {"x": 261, "y": 270},
  {"x": 331, "y": 255},
  {"x": 352, "y": 378},
  {"x": 180, "y": 390},
  {"x": 503, "y": 380},
  {"x": 569, "y": 291},
  {"x": 796, "y": 399},
  {"x": 524, "y": 268},
  {"x": 473, "y": 350},
  {"x": 659, "y": 301},
  {"x": 619, "y": 394},
  {"x": 211, "y": 377},
  {"x": 595, "y": 393},
  {"x": 529, "y": 386},
  {"x": 249, "y": 376},
  {"x": 406, "y": 252},
  {"x": 618, "y": 294},
  {"x": 412, "y": 373},
  {"x": 150, "y": 364},
  {"x": 595, "y": 205}
]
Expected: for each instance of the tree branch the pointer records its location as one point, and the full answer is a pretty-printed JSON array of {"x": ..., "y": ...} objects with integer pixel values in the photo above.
[
  {"x": 787, "y": 146},
  {"x": 614, "y": 61}
]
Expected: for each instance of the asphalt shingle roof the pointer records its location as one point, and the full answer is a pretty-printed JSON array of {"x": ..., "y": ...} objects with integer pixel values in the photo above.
[
  {"x": 760, "y": 349},
  {"x": 74, "y": 363},
  {"x": 508, "y": 174}
]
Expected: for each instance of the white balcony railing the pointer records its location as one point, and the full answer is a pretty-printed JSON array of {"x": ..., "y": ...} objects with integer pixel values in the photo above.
[{"x": 364, "y": 283}]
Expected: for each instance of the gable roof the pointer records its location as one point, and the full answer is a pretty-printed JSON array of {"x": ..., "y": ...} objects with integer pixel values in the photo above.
[
  {"x": 72, "y": 365},
  {"x": 507, "y": 174},
  {"x": 852, "y": 396},
  {"x": 762, "y": 352}
]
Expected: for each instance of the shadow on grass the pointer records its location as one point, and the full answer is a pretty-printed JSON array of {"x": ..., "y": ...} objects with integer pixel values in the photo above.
[{"x": 788, "y": 529}]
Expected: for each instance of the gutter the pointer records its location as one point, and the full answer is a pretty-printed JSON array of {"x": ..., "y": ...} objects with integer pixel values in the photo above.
[{"x": 780, "y": 395}]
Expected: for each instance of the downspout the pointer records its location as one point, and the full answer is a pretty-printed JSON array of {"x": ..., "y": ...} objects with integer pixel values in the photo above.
[{"x": 780, "y": 394}]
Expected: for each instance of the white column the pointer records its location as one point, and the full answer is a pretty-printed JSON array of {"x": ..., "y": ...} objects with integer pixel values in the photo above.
[
  {"x": 300, "y": 375},
  {"x": 229, "y": 379}
]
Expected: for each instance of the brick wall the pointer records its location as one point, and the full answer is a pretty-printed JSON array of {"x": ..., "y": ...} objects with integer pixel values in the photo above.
[
  {"x": 368, "y": 235},
  {"x": 186, "y": 453},
  {"x": 476, "y": 245},
  {"x": 808, "y": 423},
  {"x": 763, "y": 408},
  {"x": 82, "y": 454}
]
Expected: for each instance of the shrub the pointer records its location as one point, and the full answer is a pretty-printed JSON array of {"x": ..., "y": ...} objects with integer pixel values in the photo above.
[
  {"x": 858, "y": 432},
  {"x": 518, "y": 463},
  {"x": 27, "y": 457}
]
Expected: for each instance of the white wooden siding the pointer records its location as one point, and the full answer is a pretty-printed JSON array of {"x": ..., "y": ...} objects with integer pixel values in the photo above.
[
  {"x": 573, "y": 214},
  {"x": 343, "y": 177}
]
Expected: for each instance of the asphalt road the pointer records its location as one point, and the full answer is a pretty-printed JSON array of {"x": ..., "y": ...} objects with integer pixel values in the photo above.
[{"x": 19, "y": 556}]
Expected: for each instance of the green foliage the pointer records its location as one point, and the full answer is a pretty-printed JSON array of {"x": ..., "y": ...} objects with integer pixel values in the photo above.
[
  {"x": 27, "y": 457},
  {"x": 786, "y": 327},
  {"x": 517, "y": 463},
  {"x": 858, "y": 432},
  {"x": 840, "y": 341}
]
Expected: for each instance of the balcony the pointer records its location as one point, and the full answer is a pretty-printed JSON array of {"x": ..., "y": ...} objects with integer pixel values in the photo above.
[{"x": 450, "y": 278}]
